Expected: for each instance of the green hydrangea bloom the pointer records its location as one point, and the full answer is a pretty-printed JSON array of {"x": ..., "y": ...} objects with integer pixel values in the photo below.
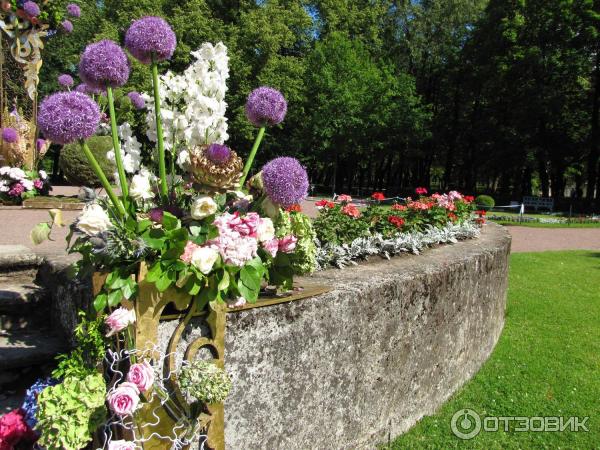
[
  {"x": 204, "y": 381},
  {"x": 70, "y": 412},
  {"x": 304, "y": 258}
]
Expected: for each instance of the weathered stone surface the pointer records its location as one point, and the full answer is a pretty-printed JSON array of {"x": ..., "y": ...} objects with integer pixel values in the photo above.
[
  {"x": 27, "y": 348},
  {"x": 15, "y": 257},
  {"x": 388, "y": 345}
]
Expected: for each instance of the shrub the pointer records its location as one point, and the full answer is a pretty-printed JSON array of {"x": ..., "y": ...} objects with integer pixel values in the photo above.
[
  {"x": 485, "y": 202},
  {"x": 75, "y": 167}
]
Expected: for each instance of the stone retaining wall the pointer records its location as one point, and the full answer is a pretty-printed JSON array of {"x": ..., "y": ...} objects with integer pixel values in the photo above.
[{"x": 389, "y": 344}]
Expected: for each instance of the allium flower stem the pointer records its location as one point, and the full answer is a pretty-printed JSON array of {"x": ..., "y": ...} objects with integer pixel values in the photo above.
[
  {"x": 162, "y": 169},
  {"x": 103, "y": 180},
  {"x": 250, "y": 160},
  {"x": 117, "y": 146}
]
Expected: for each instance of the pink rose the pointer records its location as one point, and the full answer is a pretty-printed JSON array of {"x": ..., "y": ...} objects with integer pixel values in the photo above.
[
  {"x": 141, "y": 375},
  {"x": 344, "y": 198},
  {"x": 246, "y": 225},
  {"x": 119, "y": 319},
  {"x": 121, "y": 445},
  {"x": 271, "y": 246},
  {"x": 124, "y": 399},
  {"x": 189, "y": 249},
  {"x": 38, "y": 184},
  {"x": 287, "y": 244}
]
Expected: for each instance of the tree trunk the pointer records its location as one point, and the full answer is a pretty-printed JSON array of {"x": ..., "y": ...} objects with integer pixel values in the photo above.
[{"x": 592, "y": 162}]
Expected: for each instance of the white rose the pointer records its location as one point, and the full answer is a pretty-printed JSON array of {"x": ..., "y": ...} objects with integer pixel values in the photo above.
[
  {"x": 27, "y": 184},
  {"x": 203, "y": 207},
  {"x": 43, "y": 174},
  {"x": 141, "y": 186},
  {"x": 93, "y": 220},
  {"x": 266, "y": 230},
  {"x": 204, "y": 258}
]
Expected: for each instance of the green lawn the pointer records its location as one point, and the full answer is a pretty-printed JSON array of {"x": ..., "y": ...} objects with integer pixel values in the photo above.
[{"x": 547, "y": 362}]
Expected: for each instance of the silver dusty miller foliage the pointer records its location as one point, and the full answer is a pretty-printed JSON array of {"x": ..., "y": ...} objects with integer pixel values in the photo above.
[{"x": 347, "y": 254}]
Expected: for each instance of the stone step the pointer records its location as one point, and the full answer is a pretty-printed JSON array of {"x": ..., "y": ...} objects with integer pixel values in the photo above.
[
  {"x": 22, "y": 302},
  {"x": 28, "y": 348},
  {"x": 17, "y": 258}
]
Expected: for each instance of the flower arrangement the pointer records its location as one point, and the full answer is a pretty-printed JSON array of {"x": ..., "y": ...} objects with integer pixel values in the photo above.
[{"x": 17, "y": 184}]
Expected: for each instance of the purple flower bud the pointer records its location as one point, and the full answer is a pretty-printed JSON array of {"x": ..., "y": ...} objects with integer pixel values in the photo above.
[
  {"x": 73, "y": 10},
  {"x": 67, "y": 26},
  {"x": 218, "y": 153},
  {"x": 10, "y": 135},
  {"x": 150, "y": 36},
  {"x": 40, "y": 144},
  {"x": 66, "y": 117},
  {"x": 65, "y": 80},
  {"x": 265, "y": 107},
  {"x": 104, "y": 64},
  {"x": 285, "y": 181},
  {"x": 156, "y": 215},
  {"x": 137, "y": 100},
  {"x": 31, "y": 9}
]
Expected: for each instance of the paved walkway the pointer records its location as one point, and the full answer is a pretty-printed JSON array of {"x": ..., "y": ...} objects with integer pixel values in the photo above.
[{"x": 16, "y": 224}]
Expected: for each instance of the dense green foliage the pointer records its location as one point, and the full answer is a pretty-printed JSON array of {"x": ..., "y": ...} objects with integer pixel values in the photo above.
[
  {"x": 76, "y": 168},
  {"x": 544, "y": 364},
  {"x": 500, "y": 96},
  {"x": 485, "y": 202}
]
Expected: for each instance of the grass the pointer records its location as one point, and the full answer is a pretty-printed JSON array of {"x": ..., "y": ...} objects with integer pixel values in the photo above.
[{"x": 546, "y": 363}]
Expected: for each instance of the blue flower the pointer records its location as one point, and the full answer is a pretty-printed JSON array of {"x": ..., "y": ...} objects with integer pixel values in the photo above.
[{"x": 30, "y": 402}]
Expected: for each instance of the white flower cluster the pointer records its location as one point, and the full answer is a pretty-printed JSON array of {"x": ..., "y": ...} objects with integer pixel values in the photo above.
[
  {"x": 131, "y": 149},
  {"x": 193, "y": 104},
  {"x": 9, "y": 176}
]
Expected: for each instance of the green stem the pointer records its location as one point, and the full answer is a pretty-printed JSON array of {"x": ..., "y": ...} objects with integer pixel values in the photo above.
[
  {"x": 100, "y": 174},
  {"x": 162, "y": 169},
  {"x": 250, "y": 159},
  {"x": 117, "y": 146}
]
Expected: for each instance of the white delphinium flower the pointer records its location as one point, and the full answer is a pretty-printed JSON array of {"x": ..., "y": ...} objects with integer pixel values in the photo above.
[
  {"x": 193, "y": 104},
  {"x": 131, "y": 149}
]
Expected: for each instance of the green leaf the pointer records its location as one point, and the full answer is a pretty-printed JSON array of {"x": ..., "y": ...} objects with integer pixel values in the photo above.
[
  {"x": 115, "y": 297},
  {"x": 170, "y": 222},
  {"x": 100, "y": 302},
  {"x": 40, "y": 233},
  {"x": 154, "y": 238},
  {"x": 163, "y": 283},
  {"x": 154, "y": 273},
  {"x": 143, "y": 226},
  {"x": 195, "y": 230},
  {"x": 209, "y": 292},
  {"x": 224, "y": 282}
]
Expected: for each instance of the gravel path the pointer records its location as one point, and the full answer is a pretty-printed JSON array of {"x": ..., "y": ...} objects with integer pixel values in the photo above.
[{"x": 529, "y": 239}]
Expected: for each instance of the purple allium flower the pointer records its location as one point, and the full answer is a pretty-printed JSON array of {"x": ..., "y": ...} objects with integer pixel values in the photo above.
[
  {"x": 265, "y": 107},
  {"x": 67, "y": 26},
  {"x": 156, "y": 215},
  {"x": 137, "y": 100},
  {"x": 285, "y": 181},
  {"x": 31, "y": 8},
  {"x": 104, "y": 64},
  {"x": 16, "y": 189},
  {"x": 150, "y": 36},
  {"x": 10, "y": 135},
  {"x": 68, "y": 116},
  {"x": 73, "y": 10},
  {"x": 218, "y": 153},
  {"x": 65, "y": 80}
]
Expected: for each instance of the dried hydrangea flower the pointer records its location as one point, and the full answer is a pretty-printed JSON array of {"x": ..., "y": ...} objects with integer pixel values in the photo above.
[
  {"x": 137, "y": 100},
  {"x": 205, "y": 169},
  {"x": 265, "y": 107},
  {"x": 65, "y": 80},
  {"x": 73, "y": 10},
  {"x": 66, "y": 117},
  {"x": 150, "y": 36},
  {"x": 104, "y": 64},
  {"x": 67, "y": 26},
  {"x": 31, "y": 8},
  {"x": 204, "y": 381},
  {"x": 10, "y": 135},
  {"x": 285, "y": 181}
]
